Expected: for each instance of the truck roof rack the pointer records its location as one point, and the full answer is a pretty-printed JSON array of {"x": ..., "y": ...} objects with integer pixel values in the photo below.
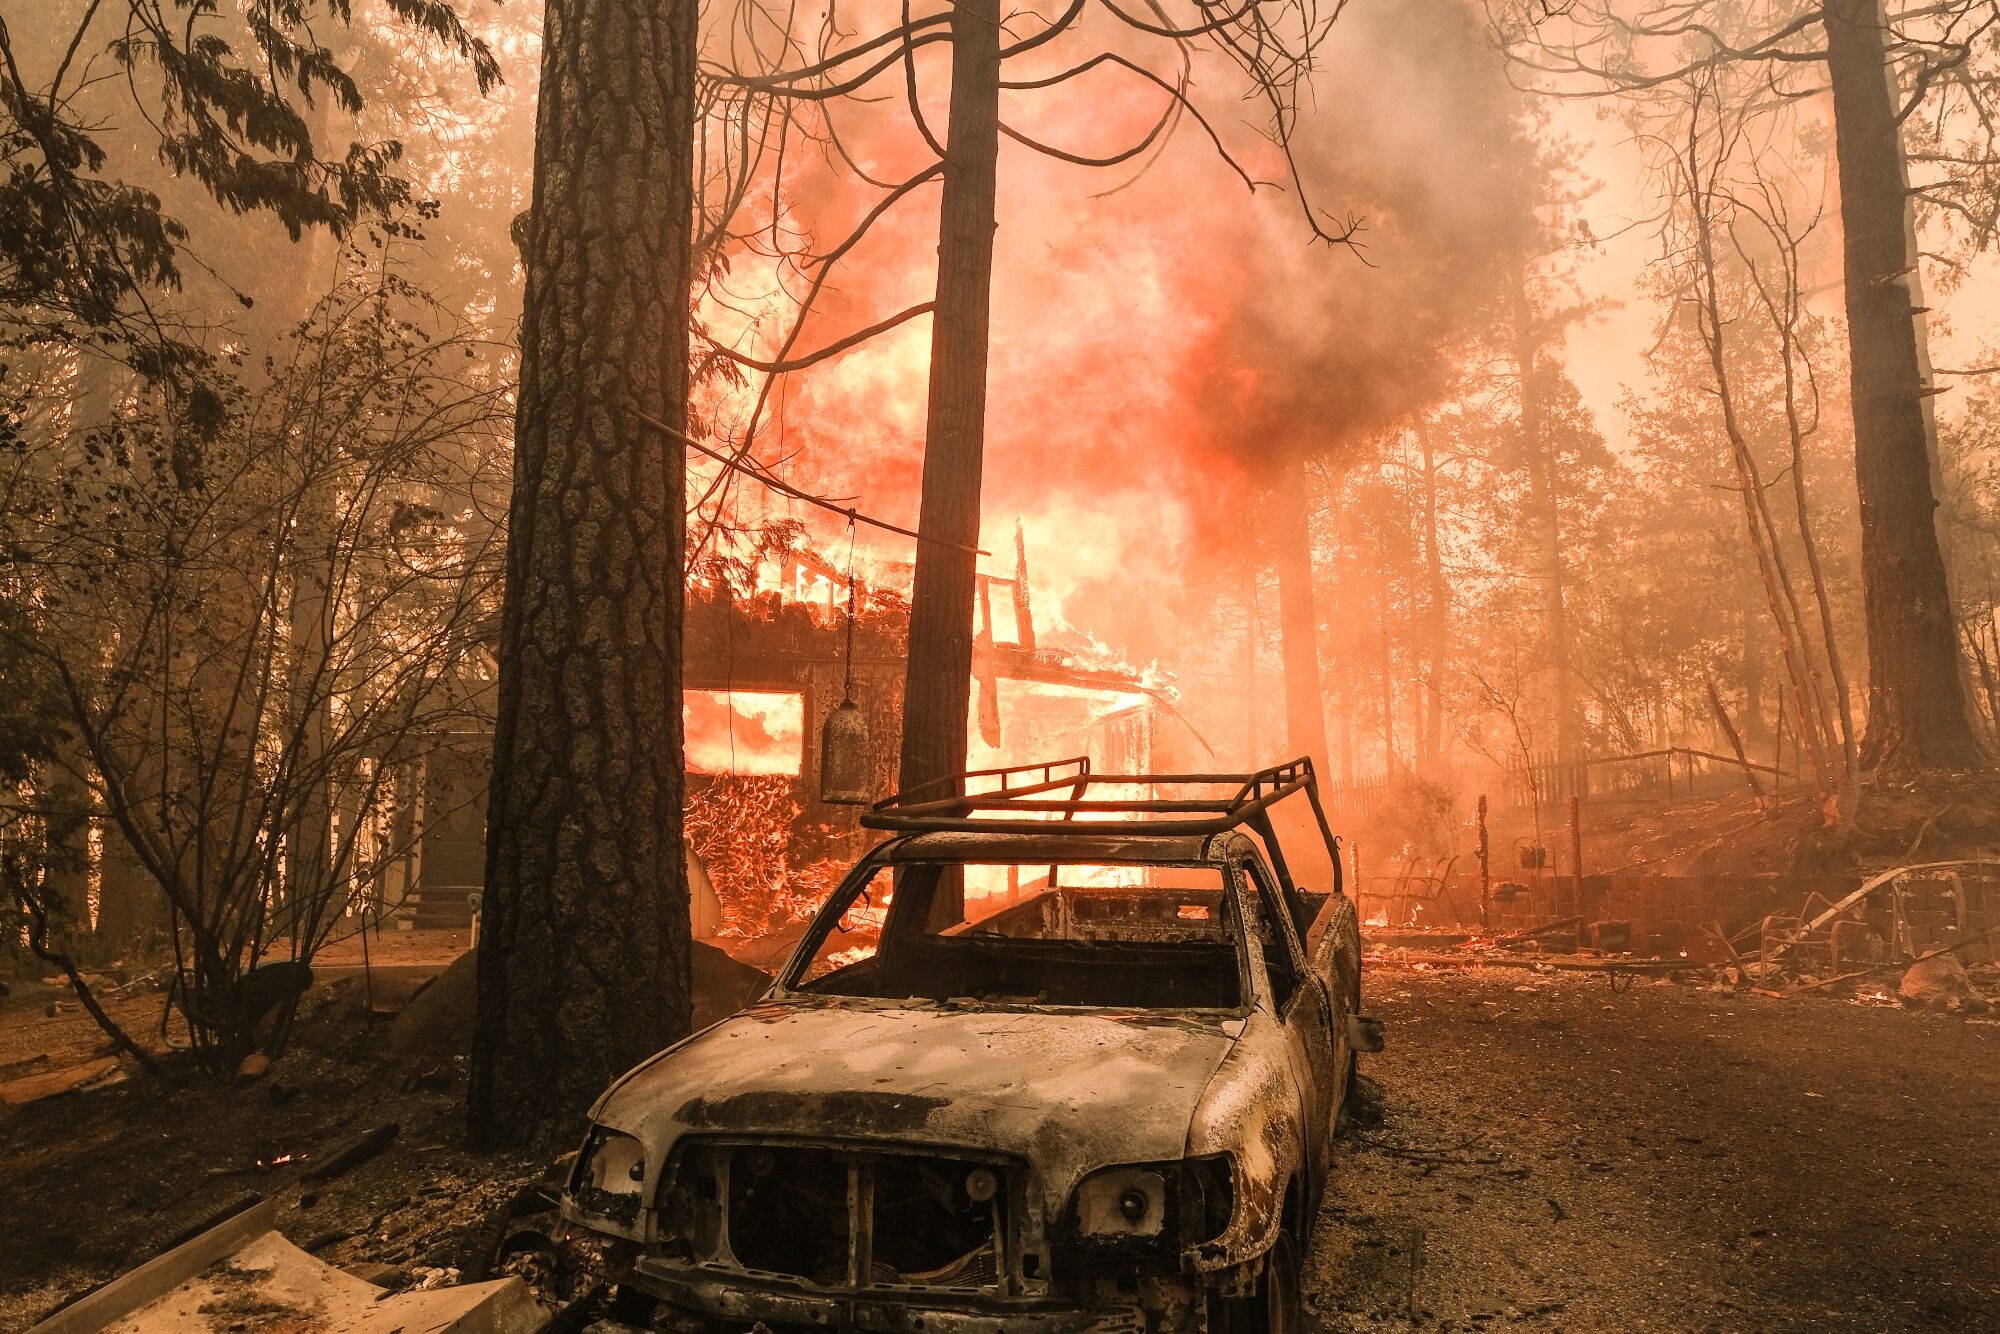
[{"x": 1016, "y": 800}]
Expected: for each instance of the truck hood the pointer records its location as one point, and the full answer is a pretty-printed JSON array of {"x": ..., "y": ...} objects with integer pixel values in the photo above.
[{"x": 1061, "y": 1089}]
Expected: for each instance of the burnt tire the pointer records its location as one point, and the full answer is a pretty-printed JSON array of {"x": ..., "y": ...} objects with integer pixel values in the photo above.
[
  {"x": 1347, "y": 1110},
  {"x": 1277, "y": 1307},
  {"x": 1350, "y": 1097},
  {"x": 1347, "y": 976}
]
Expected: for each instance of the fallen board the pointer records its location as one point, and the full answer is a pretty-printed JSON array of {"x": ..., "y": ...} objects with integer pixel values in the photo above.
[
  {"x": 241, "y": 1274},
  {"x": 1558, "y": 963},
  {"x": 47, "y": 1084}
]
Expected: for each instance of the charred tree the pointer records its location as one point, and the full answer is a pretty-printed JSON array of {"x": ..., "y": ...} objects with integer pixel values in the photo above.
[
  {"x": 1437, "y": 612},
  {"x": 1385, "y": 648},
  {"x": 1305, "y": 709},
  {"x": 1024, "y": 603},
  {"x": 1917, "y": 717},
  {"x": 583, "y": 961},
  {"x": 938, "y": 679},
  {"x": 1538, "y": 454},
  {"x": 1760, "y": 531}
]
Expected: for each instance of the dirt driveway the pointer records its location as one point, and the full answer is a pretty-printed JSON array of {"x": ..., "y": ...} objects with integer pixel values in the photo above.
[
  {"x": 1554, "y": 1156},
  {"x": 1550, "y": 1156}
]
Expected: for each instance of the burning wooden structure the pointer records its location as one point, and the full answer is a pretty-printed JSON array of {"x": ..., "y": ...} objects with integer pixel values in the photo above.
[{"x": 768, "y": 655}]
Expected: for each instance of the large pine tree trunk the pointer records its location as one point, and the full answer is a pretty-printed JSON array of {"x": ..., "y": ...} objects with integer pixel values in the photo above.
[
  {"x": 938, "y": 679},
  {"x": 1916, "y": 702},
  {"x": 1305, "y": 710},
  {"x": 583, "y": 958}
]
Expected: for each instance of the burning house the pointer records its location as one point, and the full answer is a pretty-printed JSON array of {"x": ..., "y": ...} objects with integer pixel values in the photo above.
[{"x": 769, "y": 654}]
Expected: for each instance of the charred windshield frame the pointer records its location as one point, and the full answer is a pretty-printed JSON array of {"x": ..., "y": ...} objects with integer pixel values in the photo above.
[
  {"x": 1255, "y": 880},
  {"x": 1233, "y": 886}
]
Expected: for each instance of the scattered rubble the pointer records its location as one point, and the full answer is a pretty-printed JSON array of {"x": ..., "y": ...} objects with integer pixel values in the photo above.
[
  {"x": 33, "y": 1088},
  {"x": 1552, "y": 1158},
  {"x": 354, "y": 1153},
  {"x": 354, "y": 1133},
  {"x": 1936, "y": 925},
  {"x": 243, "y": 1274},
  {"x": 1940, "y": 982}
]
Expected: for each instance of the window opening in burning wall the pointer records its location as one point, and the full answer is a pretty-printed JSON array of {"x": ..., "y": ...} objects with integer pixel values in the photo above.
[{"x": 744, "y": 733}]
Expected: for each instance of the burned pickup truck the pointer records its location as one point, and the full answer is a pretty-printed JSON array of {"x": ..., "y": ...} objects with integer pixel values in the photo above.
[{"x": 1065, "y": 1053}]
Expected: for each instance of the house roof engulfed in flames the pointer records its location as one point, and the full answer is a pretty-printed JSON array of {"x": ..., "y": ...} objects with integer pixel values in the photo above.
[{"x": 755, "y": 820}]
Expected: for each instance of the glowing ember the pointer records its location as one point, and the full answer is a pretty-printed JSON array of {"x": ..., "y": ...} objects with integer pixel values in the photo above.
[
  {"x": 849, "y": 956},
  {"x": 742, "y": 829}
]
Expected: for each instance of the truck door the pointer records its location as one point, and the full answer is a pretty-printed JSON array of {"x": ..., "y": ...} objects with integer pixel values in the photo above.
[{"x": 1304, "y": 1009}]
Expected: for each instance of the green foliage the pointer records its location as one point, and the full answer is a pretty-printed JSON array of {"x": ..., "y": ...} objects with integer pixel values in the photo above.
[
  {"x": 227, "y": 93},
  {"x": 31, "y": 708},
  {"x": 232, "y": 634}
]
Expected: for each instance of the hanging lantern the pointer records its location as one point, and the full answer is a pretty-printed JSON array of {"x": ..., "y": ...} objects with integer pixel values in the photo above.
[
  {"x": 843, "y": 742},
  {"x": 843, "y": 757}
]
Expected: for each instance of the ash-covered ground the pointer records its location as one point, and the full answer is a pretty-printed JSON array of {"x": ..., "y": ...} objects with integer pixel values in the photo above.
[
  {"x": 1554, "y": 1156},
  {"x": 1549, "y": 1155}
]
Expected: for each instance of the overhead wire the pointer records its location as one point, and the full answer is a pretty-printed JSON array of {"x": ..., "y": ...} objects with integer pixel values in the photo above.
[{"x": 757, "y": 474}]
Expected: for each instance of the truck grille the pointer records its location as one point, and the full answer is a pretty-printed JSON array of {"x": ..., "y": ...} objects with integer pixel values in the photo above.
[{"x": 842, "y": 1217}]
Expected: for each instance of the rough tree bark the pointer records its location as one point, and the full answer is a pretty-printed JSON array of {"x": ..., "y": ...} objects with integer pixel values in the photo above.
[
  {"x": 583, "y": 959},
  {"x": 938, "y": 679},
  {"x": 1305, "y": 710},
  {"x": 1917, "y": 716}
]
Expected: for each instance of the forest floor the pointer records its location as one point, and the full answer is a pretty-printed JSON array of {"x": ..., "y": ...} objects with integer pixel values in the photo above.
[
  {"x": 1548, "y": 1155},
  {"x": 96, "y": 1181},
  {"x": 1674, "y": 1156},
  {"x": 1553, "y": 1156}
]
